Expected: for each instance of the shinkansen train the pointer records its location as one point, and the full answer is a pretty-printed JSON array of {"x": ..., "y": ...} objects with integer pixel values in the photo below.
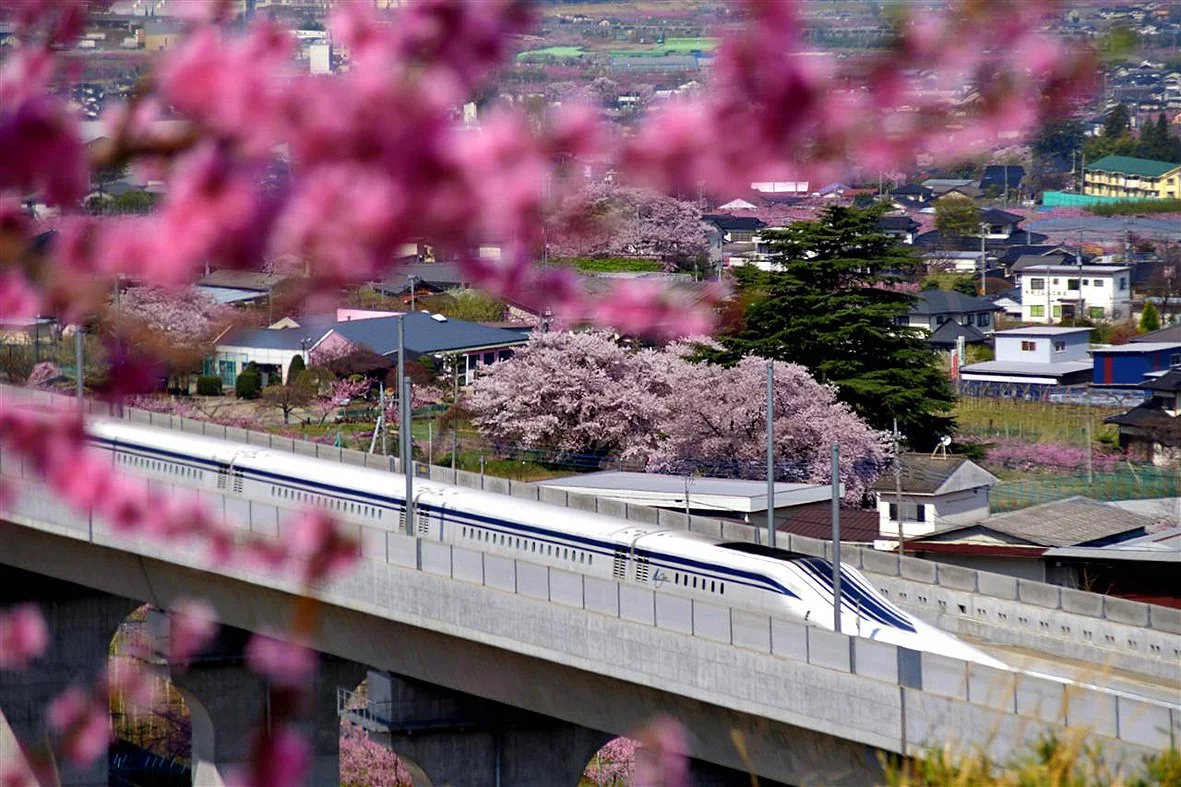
[{"x": 672, "y": 562}]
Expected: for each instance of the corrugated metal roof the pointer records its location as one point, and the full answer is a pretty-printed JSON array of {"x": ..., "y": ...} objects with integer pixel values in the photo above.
[
  {"x": 1049, "y": 330},
  {"x": 1127, "y": 165},
  {"x": 1074, "y": 521},
  {"x": 1142, "y": 347},
  {"x": 949, "y": 302},
  {"x": 1027, "y": 369}
]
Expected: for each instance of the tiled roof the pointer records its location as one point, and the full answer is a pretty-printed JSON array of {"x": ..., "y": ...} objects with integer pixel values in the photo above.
[
  {"x": 1170, "y": 381},
  {"x": 950, "y": 302},
  {"x": 925, "y": 474},
  {"x": 1126, "y": 165},
  {"x": 740, "y": 223},
  {"x": 947, "y": 333},
  {"x": 1070, "y": 522},
  {"x": 1170, "y": 333},
  {"x": 858, "y": 525},
  {"x": 994, "y": 216}
]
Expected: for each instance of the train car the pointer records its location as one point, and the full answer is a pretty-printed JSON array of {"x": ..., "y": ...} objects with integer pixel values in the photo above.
[{"x": 679, "y": 566}]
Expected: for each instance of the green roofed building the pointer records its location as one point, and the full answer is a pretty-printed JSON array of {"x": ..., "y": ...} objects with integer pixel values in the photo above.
[{"x": 1124, "y": 177}]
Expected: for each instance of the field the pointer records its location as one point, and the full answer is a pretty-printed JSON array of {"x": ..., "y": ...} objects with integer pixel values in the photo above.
[
  {"x": 1033, "y": 421},
  {"x": 690, "y": 44},
  {"x": 552, "y": 51},
  {"x": 611, "y": 264}
]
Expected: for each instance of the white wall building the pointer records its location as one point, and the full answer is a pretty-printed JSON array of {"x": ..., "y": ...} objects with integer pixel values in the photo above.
[
  {"x": 1052, "y": 293},
  {"x": 936, "y": 492}
]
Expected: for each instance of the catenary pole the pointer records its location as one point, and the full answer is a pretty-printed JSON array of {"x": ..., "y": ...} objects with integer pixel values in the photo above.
[
  {"x": 770, "y": 453},
  {"x": 836, "y": 537},
  {"x": 403, "y": 453},
  {"x": 898, "y": 489},
  {"x": 78, "y": 361}
]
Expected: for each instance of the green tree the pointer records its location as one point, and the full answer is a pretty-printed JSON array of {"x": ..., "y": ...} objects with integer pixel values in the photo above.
[
  {"x": 249, "y": 383},
  {"x": 287, "y": 397},
  {"x": 1149, "y": 318},
  {"x": 825, "y": 309},
  {"x": 966, "y": 285},
  {"x": 957, "y": 217},
  {"x": 1116, "y": 122},
  {"x": 296, "y": 368}
]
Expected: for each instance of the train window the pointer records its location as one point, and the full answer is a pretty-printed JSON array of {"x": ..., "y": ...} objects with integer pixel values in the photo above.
[
  {"x": 694, "y": 581},
  {"x": 565, "y": 554},
  {"x": 712, "y": 586},
  {"x": 722, "y": 588}
]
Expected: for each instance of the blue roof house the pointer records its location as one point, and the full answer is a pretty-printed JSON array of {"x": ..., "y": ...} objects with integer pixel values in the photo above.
[{"x": 1132, "y": 364}]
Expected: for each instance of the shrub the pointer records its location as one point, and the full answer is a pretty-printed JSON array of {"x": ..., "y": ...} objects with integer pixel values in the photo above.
[
  {"x": 208, "y": 385},
  {"x": 249, "y": 383},
  {"x": 295, "y": 369}
]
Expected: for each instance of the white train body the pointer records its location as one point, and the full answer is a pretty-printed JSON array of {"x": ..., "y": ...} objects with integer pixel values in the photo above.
[{"x": 670, "y": 562}]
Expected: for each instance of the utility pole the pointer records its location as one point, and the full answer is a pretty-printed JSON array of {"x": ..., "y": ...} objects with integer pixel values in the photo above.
[
  {"x": 898, "y": 489},
  {"x": 455, "y": 406},
  {"x": 686, "y": 496},
  {"x": 1087, "y": 415},
  {"x": 770, "y": 453},
  {"x": 78, "y": 361},
  {"x": 836, "y": 537},
  {"x": 983, "y": 263},
  {"x": 412, "y": 279},
  {"x": 404, "y": 426},
  {"x": 381, "y": 420}
]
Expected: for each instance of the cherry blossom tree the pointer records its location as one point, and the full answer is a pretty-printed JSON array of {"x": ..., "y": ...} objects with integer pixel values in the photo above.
[
  {"x": 584, "y": 393},
  {"x": 604, "y": 220},
  {"x": 366, "y": 763}
]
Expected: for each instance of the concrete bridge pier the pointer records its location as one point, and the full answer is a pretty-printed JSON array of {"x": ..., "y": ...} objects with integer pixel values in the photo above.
[
  {"x": 228, "y": 703},
  {"x": 82, "y": 622}
]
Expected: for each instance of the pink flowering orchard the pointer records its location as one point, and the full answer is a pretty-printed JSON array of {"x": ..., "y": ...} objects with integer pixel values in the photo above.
[{"x": 264, "y": 161}]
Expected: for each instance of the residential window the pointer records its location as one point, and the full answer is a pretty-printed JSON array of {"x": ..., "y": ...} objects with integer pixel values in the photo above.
[
  {"x": 1037, "y": 311},
  {"x": 1037, "y": 285},
  {"x": 940, "y": 319},
  {"x": 1057, "y": 312},
  {"x": 911, "y": 512},
  {"x": 1175, "y": 359},
  {"x": 1072, "y": 284},
  {"x": 1028, "y": 347},
  {"x": 1095, "y": 312},
  {"x": 1085, "y": 282},
  {"x": 1059, "y": 347},
  {"x": 228, "y": 371},
  {"x": 1055, "y": 281},
  {"x": 1123, "y": 283},
  {"x": 1097, "y": 282},
  {"x": 971, "y": 320},
  {"x": 984, "y": 319}
]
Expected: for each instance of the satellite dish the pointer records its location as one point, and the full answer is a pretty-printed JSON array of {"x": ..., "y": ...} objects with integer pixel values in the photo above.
[{"x": 945, "y": 440}]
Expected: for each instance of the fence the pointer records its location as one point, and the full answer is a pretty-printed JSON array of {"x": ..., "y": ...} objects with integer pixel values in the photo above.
[{"x": 1134, "y": 483}]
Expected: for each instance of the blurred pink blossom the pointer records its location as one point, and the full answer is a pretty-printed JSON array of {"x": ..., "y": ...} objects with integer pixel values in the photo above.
[
  {"x": 279, "y": 758},
  {"x": 82, "y": 721},
  {"x": 193, "y": 626},
  {"x": 283, "y": 663},
  {"x": 23, "y": 636}
]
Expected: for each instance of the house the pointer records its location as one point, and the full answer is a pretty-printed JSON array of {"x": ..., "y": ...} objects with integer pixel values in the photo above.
[
  {"x": 1053, "y": 293},
  {"x": 1130, "y": 364},
  {"x": 814, "y": 520},
  {"x": 961, "y": 186},
  {"x": 1030, "y": 359},
  {"x": 901, "y": 227},
  {"x": 940, "y": 260},
  {"x": 1030, "y": 260},
  {"x": 323, "y": 337},
  {"x": 424, "y": 277},
  {"x": 1009, "y": 302},
  {"x": 1142, "y": 569},
  {"x": 240, "y": 286},
  {"x": 1151, "y": 432},
  {"x": 999, "y": 224},
  {"x": 1016, "y": 543},
  {"x": 1014, "y": 252},
  {"x": 912, "y": 196},
  {"x": 948, "y": 336},
  {"x": 1124, "y": 177},
  {"x": 1002, "y": 178},
  {"x": 933, "y": 308},
  {"x": 161, "y": 33},
  {"x": 722, "y": 498},
  {"x": 935, "y": 491},
  {"x": 736, "y": 229}
]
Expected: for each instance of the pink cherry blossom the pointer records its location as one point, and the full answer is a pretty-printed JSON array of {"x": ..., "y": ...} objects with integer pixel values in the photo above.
[
  {"x": 285, "y": 664},
  {"x": 320, "y": 548},
  {"x": 23, "y": 636},
  {"x": 279, "y": 758},
  {"x": 81, "y": 720},
  {"x": 194, "y": 625}
]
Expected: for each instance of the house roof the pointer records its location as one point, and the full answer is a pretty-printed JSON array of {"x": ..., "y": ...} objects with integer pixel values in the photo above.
[
  {"x": 994, "y": 216},
  {"x": 1028, "y": 369},
  {"x": 1075, "y": 521},
  {"x": 424, "y": 334},
  {"x": 1170, "y": 333},
  {"x": 721, "y": 494},
  {"x": 1162, "y": 546},
  {"x": 731, "y": 223},
  {"x": 1126, "y": 165},
  {"x": 1013, "y": 253},
  {"x": 904, "y": 223},
  {"x": 439, "y": 274},
  {"x": 972, "y": 243},
  {"x": 1034, "y": 260},
  {"x": 1000, "y": 174},
  {"x": 243, "y": 280},
  {"x": 923, "y": 474},
  {"x": 946, "y": 183},
  {"x": 1169, "y": 381},
  {"x": 1101, "y": 270},
  {"x": 947, "y": 334},
  {"x": 858, "y": 525},
  {"x": 1149, "y": 415},
  {"x": 1142, "y": 347},
  {"x": 911, "y": 189},
  {"x": 929, "y": 302},
  {"x": 1036, "y": 330}
]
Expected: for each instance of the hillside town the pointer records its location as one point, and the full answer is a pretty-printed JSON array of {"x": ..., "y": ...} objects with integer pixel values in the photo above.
[{"x": 972, "y": 360}]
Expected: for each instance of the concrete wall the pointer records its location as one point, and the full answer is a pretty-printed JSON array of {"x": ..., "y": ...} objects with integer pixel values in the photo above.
[
  {"x": 752, "y": 669},
  {"x": 906, "y": 581}
]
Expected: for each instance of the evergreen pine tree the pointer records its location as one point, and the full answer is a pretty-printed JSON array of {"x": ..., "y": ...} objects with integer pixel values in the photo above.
[
  {"x": 295, "y": 369},
  {"x": 824, "y": 307},
  {"x": 1149, "y": 318}
]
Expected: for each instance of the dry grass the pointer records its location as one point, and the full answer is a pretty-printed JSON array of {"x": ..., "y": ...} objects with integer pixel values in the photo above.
[{"x": 1034, "y": 421}]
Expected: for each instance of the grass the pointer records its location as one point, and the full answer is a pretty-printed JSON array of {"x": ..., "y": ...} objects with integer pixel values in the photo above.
[
  {"x": 690, "y": 44},
  {"x": 552, "y": 51},
  {"x": 611, "y": 264},
  {"x": 1033, "y": 421},
  {"x": 1136, "y": 207}
]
